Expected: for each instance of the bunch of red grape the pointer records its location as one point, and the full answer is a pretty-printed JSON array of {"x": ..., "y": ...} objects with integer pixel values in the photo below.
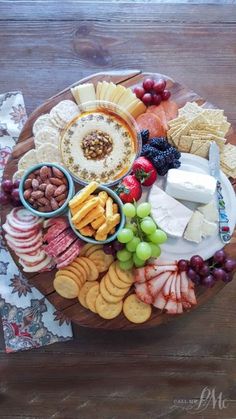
[
  {"x": 206, "y": 273},
  {"x": 152, "y": 92},
  {"x": 10, "y": 192},
  {"x": 113, "y": 247}
]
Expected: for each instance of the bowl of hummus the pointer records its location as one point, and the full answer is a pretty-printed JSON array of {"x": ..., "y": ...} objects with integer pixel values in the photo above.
[{"x": 100, "y": 144}]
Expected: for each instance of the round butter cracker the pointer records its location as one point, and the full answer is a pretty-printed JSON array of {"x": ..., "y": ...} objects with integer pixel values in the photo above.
[
  {"x": 135, "y": 310},
  {"x": 91, "y": 297},
  {"x": 107, "y": 310},
  {"x": 83, "y": 292},
  {"x": 66, "y": 287}
]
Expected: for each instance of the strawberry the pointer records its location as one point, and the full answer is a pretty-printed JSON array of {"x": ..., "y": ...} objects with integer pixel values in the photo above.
[
  {"x": 144, "y": 171},
  {"x": 129, "y": 189}
]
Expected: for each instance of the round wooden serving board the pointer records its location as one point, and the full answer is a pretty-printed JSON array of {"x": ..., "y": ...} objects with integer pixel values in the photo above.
[{"x": 44, "y": 281}]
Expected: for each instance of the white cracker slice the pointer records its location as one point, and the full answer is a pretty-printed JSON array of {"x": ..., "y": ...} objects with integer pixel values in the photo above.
[
  {"x": 177, "y": 121},
  {"x": 196, "y": 144},
  {"x": 47, "y": 135},
  {"x": 203, "y": 150},
  {"x": 228, "y": 156},
  {"x": 48, "y": 153},
  {"x": 18, "y": 175},
  {"x": 29, "y": 159},
  {"x": 41, "y": 122},
  {"x": 63, "y": 112},
  {"x": 185, "y": 143}
]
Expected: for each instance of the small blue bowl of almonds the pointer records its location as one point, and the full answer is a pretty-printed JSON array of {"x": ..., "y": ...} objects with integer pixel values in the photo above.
[
  {"x": 46, "y": 189},
  {"x": 95, "y": 214}
]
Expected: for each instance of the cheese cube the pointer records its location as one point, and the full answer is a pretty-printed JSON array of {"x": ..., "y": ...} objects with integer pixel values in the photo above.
[
  {"x": 170, "y": 215},
  {"x": 190, "y": 186}
]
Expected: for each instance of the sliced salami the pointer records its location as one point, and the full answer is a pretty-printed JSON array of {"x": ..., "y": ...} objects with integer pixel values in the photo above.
[
  {"x": 61, "y": 243},
  {"x": 25, "y": 244},
  {"x": 72, "y": 252},
  {"x": 37, "y": 267},
  {"x": 54, "y": 231},
  {"x": 51, "y": 221}
]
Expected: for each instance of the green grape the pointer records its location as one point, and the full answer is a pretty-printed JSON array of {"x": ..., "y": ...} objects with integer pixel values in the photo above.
[
  {"x": 131, "y": 246},
  {"x": 148, "y": 226},
  {"x": 156, "y": 250},
  {"x": 125, "y": 235},
  {"x": 143, "y": 251},
  {"x": 144, "y": 209},
  {"x": 129, "y": 210},
  {"x": 158, "y": 237},
  {"x": 138, "y": 262},
  {"x": 132, "y": 227},
  {"x": 123, "y": 255},
  {"x": 126, "y": 265}
]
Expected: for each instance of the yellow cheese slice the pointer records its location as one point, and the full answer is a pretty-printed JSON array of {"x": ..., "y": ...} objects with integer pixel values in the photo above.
[
  {"x": 75, "y": 94},
  {"x": 86, "y": 92},
  {"x": 126, "y": 98},
  {"x": 118, "y": 92},
  {"x": 136, "y": 108},
  {"x": 98, "y": 90},
  {"x": 110, "y": 91},
  {"x": 104, "y": 88}
]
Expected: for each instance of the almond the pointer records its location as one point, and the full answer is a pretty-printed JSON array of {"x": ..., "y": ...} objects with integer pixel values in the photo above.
[
  {"x": 35, "y": 184},
  {"x": 56, "y": 181},
  {"x": 42, "y": 187},
  {"x": 61, "y": 202},
  {"x": 28, "y": 183},
  {"x": 44, "y": 172},
  {"x": 43, "y": 201},
  {"x": 57, "y": 173},
  {"x": 49, "y": 191},
  {"x": 60, "y": 190},
  {"x": 37, "y": 194},
  {"x": 27, "y": 193},
  {"x": 54, "y": 204},
  {"x": 61, "y": 197}
]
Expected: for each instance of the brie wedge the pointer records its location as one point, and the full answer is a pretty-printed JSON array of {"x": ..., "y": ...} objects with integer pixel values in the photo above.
[
  {"x": 208, "y": 228},
  {"x": 193, "y": 231},
  {"x": 190, "y": 186},
  {"x": 210, "y": 211},
  {"x": 170, "y": 215}
]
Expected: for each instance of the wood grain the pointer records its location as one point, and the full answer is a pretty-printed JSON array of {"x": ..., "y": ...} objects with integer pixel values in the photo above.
[
  {"x": 138, "y": 373},
  {"x": 44, "y": 282}
]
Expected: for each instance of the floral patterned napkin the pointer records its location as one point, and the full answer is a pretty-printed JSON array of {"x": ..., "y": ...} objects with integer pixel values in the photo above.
[{"x": 29, "y": 320}]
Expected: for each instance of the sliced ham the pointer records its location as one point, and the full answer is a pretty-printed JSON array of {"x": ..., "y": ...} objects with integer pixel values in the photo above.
[
  {"x": 155, "y": 284},
  {"x": 184, "y": 285},
  {"x": 179, "y": 308},
  {"x": 159, "y": 301},
  {"x": 66, "y": 258},
  {"x": 19, "y": 234},
  {"x": 152, "y": 271},
  {"x": 32, "y": 257},
  {"x": 171, "y": 307},
  {"x": 177, "y": 288},
  {"x": 166, "y": 288},
  {"x": 19, "y": 250},
  {"x": 191, "y": 294},
  {"x": 142, "y": 293},
  {"x": 165, "y": 262},
  {"x": 24, "y": 243},
  {"x": 23, "y": 226}
]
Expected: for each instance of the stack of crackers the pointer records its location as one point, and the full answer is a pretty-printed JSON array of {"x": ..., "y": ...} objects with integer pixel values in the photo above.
[
  {"x": 103, "y": 294},
  {"x": 196, "y": 127}
]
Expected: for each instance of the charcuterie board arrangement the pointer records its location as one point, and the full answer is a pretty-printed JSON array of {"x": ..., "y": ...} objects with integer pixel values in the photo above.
[{"x": 119, "y": 203}]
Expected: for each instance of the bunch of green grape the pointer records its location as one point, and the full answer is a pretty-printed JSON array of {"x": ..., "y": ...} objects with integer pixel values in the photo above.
[{"x": 140, "y": 236}]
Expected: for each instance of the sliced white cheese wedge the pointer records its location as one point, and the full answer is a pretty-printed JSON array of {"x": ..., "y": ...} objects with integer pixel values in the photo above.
[
  {"x": 86, "y": 92},
  {"x": 170, "y": 215},
  {"x": 193, "y": 232},
  {"x": 190, "y": 186},
  {"x": 98, "y": 90},
  {"x": 104, "y": 89},
  {"x": 75, "y": 94},
  {"x": 208, "y": 228},
  {"x": 110, "y": 91},
  {"x": 118, "y": 93},
  {"x": 210, "y": 211}
]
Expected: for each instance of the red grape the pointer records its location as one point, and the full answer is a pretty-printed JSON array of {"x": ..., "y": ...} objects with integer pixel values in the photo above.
[
  {"x": 208, "y": 281},
  {"x": 230, "y": 265},
  {"x": 118, "y": 246},
  {"x": 15, "y": 195},
  {"x": 108, "y": 249},
  {"x": 139, "y": 91},
  {"x": 205, "y": 270},
  {"x": 16, "y": 183},
  {"x": 165, "y": 95},
  {"x": 196, "y": 262},
  {"x": 228, "y": 278},
  {"x": 219, "y": 274},
  {"x": 7, "y": 185},
  {"x": 148, "y": 84},
  {"x": 219, "y": 256},
  {"x": 16, "y": 202},
  {"x": 147, "y": 99},
  {"x": 182, "y": 265},
  {"x": 156, "y": 99},
  {"x": 192, "y": 274},
  {"x": 4, "y": 198},
  {"x": 159, "y": 86}
]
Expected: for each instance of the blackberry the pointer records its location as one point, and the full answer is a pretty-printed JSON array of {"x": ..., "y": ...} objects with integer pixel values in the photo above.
[
  {"x": 176, "y": 164},
  {"x": 162, "y": 171},
  {"x": 149, "y": 152},
  {"x": 159, "y": 162},
  {"x": 144, "y": 135},
  {"x": 160, "y": 142}
]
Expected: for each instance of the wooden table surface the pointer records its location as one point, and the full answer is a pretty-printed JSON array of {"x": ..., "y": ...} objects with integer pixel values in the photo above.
[{"x": 45, "y": 46}]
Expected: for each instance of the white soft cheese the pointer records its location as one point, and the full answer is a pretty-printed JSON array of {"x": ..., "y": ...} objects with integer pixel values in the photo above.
[
  {"x": 170, "y": 215},
  {"x": 193, "y": 231},
  {"x": 208, "y": 228},
  {"x": 190, "y": 186},
  {"x": 210, "y": 211}
]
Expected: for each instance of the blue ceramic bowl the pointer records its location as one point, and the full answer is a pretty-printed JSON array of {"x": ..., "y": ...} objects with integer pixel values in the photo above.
[
  {"x": 60, "y": 210},
  {"x": 118, "y": 201}
]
